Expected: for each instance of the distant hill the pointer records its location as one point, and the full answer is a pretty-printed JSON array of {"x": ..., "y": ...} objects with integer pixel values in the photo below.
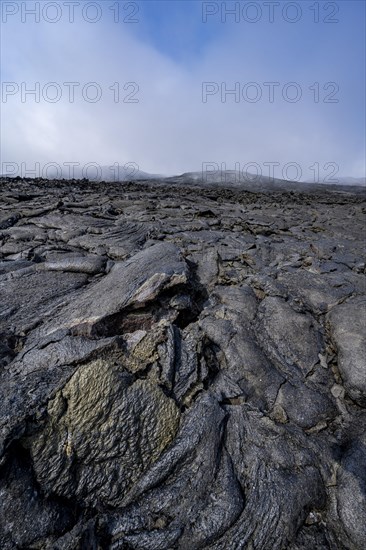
[
  {"x": 251, "y": 182},
  {"x": 347, "y": 181}
]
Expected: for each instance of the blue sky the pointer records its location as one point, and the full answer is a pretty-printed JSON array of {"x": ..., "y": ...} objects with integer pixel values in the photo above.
[
  {"x": 169, "y": 53},
  {"x": 176, "y": 29}
]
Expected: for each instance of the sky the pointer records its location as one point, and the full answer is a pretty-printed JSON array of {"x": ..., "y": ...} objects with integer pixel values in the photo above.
[{"x": 270, "y": 87}]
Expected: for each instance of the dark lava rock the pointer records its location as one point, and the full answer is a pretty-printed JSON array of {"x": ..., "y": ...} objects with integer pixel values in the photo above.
[{"x": 181, "y": 367}]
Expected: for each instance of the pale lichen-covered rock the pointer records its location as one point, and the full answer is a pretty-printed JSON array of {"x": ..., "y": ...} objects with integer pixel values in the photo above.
[{"x": 103, "y": 430}]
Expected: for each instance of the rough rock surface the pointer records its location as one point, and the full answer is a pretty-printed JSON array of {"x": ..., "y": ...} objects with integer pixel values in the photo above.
[{"x": 181, "y": 368}]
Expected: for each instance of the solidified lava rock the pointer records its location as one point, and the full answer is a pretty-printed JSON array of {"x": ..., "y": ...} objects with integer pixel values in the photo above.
[{"x": 181, "y": 368}]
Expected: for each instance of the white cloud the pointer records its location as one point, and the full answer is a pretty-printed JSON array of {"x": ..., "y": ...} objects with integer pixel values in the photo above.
[{"x": 169, "y": 130}]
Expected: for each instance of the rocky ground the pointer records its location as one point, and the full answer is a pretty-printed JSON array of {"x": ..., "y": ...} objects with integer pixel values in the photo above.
[{"x": 181, "y": 368}]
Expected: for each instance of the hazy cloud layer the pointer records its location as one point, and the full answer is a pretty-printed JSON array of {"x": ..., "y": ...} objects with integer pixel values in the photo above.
[{"x": 160, "y": 121}]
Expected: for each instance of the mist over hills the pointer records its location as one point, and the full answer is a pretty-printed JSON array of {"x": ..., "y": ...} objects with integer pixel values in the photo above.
[
  {"x": 252, "y": 182},
  {"x": 211, "y": 178},
  {"x": 348, "y": 181},
  {"x": 94, "y": 172},
  {"x": 243, "y": 177}
]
